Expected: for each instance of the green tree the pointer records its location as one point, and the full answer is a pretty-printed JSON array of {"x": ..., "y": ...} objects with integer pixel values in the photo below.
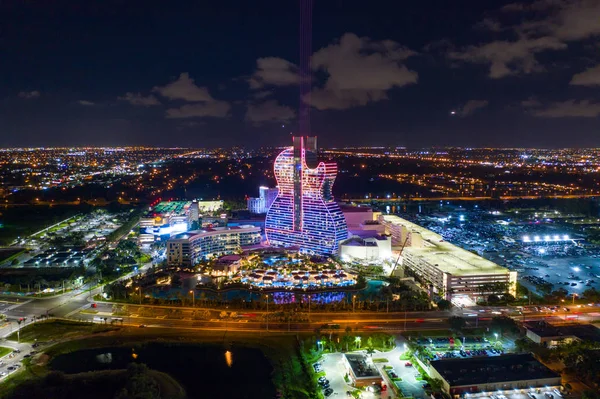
[
  {"x": 457, "y": 323},
  {"x": 444, "y": 304},
  {"x": 140, "y": 384},
  {"x": 504, "y": 324}
]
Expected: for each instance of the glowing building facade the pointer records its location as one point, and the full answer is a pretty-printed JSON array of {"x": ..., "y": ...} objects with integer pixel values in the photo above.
[{"x": 304, "y": 214}]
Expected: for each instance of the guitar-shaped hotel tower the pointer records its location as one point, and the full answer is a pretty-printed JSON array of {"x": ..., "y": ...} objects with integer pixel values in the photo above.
[{"x": 304, "y": 214}]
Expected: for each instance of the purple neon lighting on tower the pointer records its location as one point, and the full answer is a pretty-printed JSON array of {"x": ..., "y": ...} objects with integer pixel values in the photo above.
[{"x": 306, "y": 8}]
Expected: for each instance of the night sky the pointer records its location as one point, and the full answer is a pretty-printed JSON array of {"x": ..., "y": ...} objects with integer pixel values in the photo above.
[{"x": 224, "y": 73}]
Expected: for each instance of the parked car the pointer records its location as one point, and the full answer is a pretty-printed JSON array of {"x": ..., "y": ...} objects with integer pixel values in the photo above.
[
  {"x": 408, "y": 364},
  {"x": 328, "y": 392}
]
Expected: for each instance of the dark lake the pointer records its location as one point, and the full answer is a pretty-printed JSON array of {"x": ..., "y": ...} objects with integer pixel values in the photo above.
[{"x": 201, "y": 369}]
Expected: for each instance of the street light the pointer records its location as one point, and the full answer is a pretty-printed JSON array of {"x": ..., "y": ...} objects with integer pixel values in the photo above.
[
  {"x": 496, "y": 335},
  {"x": 353, "y": 302},
  {"x": 574, "y": 295},
  {"x": 267, "y": 296},
  {"x": 193, "y": 298}
]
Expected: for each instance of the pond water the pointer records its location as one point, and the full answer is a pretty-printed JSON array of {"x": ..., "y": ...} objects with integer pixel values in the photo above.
[{"x": 205, "y": 371}]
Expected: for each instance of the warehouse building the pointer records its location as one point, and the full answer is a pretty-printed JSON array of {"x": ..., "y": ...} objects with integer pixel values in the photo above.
[{"x": 492, "y": 374}]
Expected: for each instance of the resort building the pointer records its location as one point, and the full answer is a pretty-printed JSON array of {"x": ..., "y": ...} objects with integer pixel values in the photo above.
[
  {"x": 366, "y": 247},
  {"x": 262, "y": 203},
  {"x": 450, "y": 271},
  {"x": 188, "y": 249},
  {"x": 304, "y": 213}
]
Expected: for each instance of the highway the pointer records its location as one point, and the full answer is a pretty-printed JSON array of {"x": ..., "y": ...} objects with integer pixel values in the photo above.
[{"x": 77, "y": 305}]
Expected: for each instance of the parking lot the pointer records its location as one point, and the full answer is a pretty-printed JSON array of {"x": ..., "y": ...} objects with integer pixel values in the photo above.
[{"x": 532, "y": 393}]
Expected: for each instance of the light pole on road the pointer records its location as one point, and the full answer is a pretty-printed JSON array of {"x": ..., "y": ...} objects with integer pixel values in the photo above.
[
  {"x": 193, "y": 298},
  {"x": 267, "y": 296}
]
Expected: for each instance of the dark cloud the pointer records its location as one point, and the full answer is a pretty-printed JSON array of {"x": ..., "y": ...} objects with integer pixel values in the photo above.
[
  {"x": 263, "y": 94},
  {"x": 547, "y": 25},
  {"x": 214, "y": 108},
  {"x": 589, "y": 77},
  {"x": 531, "y": 102},
  {"x": 29, "y": 95},
  {"x": 273, "y": 71},
  {"x": 360, "y": 71},
  {"x": 185, "y": 88},
  {"x": 86, "y": 103},
  {"x": 139, "y": 99},
  {"x": 568, "y": 109},
  {"x": 506, "y": 58},
  {"x": 471, "y": 106},
  {"x": 268, "y": 111}
]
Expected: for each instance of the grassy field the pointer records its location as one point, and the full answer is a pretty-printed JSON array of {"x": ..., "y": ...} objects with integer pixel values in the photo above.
[
  {"x": 91, "y": 385},
  {"x": 4, "y": 351},
  {"x": 58, "y": 330},
  {"x": 25, "y": 220}
]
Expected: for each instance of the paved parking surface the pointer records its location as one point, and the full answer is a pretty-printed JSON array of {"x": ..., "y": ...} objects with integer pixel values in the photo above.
[
  {"x": 333, "y": 365},
  {"x": 409, "y": 384},
  {"x": 538, "y": 393}
]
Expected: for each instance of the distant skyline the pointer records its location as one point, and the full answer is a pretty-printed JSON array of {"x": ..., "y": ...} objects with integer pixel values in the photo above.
[{"x": 190, "y": 74}]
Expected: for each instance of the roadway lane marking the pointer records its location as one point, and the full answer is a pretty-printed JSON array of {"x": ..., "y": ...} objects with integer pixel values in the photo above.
[
  {"x": 79, "y": 309},
  {"x": 12, "y": 307}
]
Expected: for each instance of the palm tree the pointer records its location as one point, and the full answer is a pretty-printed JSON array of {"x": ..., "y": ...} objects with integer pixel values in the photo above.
[{"x": 370, "y": 351}]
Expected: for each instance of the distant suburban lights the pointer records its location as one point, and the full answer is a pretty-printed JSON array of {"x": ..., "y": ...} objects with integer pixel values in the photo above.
[
  {"x": 526, "y": 239},
  {"x": 536, "y": 238},
  {"x": 565, "y": 237}
]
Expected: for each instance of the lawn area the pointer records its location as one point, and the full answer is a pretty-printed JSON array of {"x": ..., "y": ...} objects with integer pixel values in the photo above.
[
  {"x": 58, "y": 329},
  {"x": 380, "y": 360},
  {"x": 91, "y": 385},
  {"x": 4, "y": 351}
]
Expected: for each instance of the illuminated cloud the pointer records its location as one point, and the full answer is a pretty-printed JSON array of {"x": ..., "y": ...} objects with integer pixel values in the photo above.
[
  {"x": 360, "y": 71},
  {"x": 589, "y": 77},
  {"x": 139, "y": 99},
  {"x": 569, "y": 109},
  {"x": 273, "y": 71},
  {"x": 184, "y": 88},
  {"x": 472, "y": 106},
  {"x": 29, "y": 95},
  {"x": 268, "y": 111}
]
